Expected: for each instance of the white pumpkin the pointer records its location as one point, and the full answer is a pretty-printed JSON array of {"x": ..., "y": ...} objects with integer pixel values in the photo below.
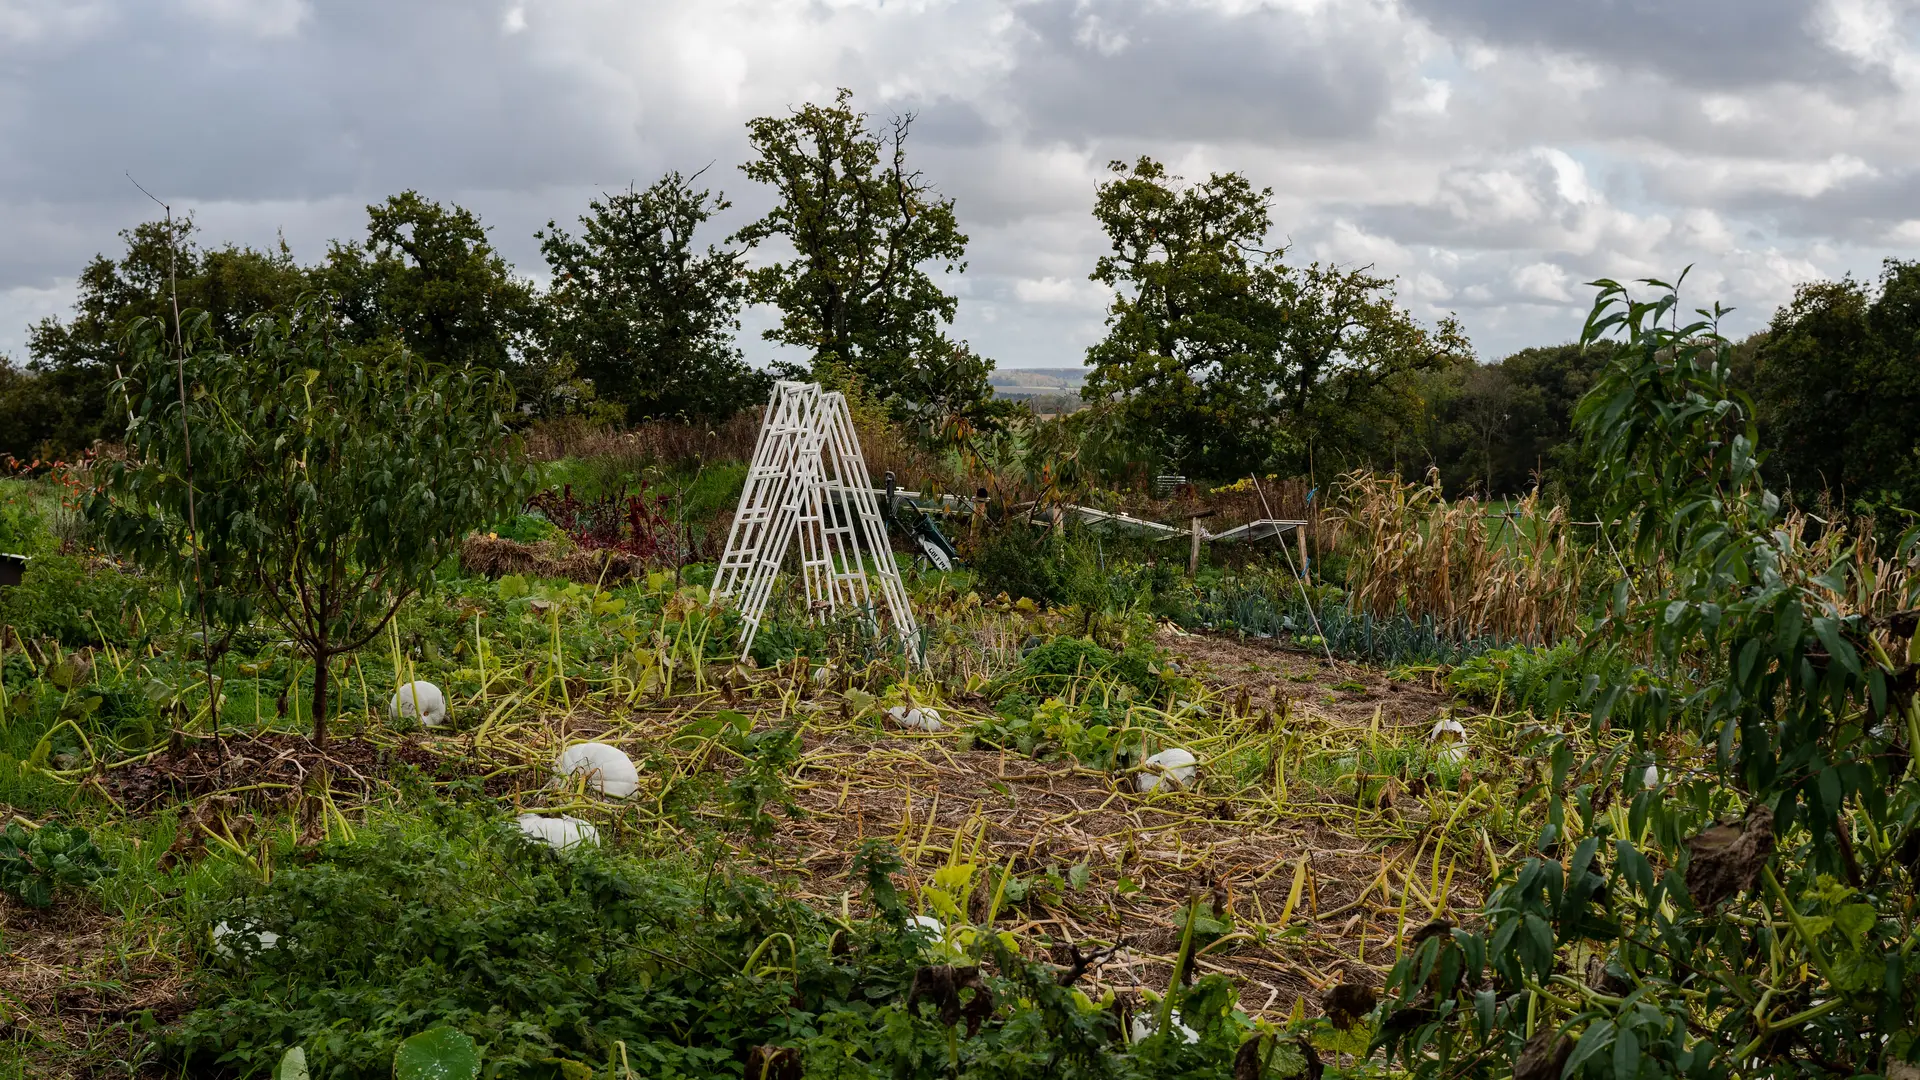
[
  {"x": 249, "y": 939},
  {"x": 916, "y": 719},
  {"x": 608, "y": 770},
  {"x": 1172, "y": 768},
  {"x": 559, "y": 833},
  {"x": 1450, "y": 738},
  {"x": 1143, "y": 1026},
  {"x": 421, "y": 699}
]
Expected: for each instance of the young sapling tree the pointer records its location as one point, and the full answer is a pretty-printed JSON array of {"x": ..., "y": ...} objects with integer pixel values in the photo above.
[{"x": 330, "y": 479}]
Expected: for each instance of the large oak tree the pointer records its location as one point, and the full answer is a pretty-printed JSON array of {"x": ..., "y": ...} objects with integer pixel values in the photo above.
[
  {"x": 868, "y": 233},
  {"x": 643, "y": 312},
  {"x": 1221, "y": 357}
]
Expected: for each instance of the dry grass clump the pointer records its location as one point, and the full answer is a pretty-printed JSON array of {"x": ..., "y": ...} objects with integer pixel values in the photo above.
[
  {"x": 1518, "y": 576},
  {"x": 663, "y": 441},
  {"x": 1879, "y": 582},
  {"x": 674, "y": 443},
  {"x": 71, "y": 977},
  {"x": 495, "y": 557}
]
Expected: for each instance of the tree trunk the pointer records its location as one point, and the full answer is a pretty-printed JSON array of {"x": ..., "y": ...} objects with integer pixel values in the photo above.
[{"x": 322, "y": 661}]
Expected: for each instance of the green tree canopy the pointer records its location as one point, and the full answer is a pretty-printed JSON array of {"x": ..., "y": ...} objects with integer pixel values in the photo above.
[
  {"x": 644, "y": 313},
  {"x": 327, "y": 481},
  {"x": 428, "y": 277},
  {"x": 1501, "y": 428},
  {"x": 1836, "y": 383},
  {"x": 867, "y": 233},
  {"x": 1194, "y": 325},
  {"x": 58, "y": 402},
  {"x": 1348, "y": 355},
  {"x": 1221, "y": 357}
]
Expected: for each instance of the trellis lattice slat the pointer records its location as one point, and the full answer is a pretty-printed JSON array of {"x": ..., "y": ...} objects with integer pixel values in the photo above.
[{"x": 809, "y": 478}]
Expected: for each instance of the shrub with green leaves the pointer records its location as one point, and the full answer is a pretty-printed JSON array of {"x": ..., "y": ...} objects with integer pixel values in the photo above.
[
  {"x": 22, "y": 530},
  {"x": 1756, "y": 914},
  {"x": 1090, "y": 732},
  {"x": 552, "y": 963},
  {"x": 1537, "y": 677},
  {"x": 1054, "y": 667},
  {"x": 529, "y": 529},
  {"x": 326, "y": 481},
  {"x": 35, "y": 864},
  {"x": 1021, "y": 561},
  {"x": 75, "y": 603}
]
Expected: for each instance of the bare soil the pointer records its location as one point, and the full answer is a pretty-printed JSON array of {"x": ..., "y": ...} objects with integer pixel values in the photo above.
[{"x": 1280, "y": 677}]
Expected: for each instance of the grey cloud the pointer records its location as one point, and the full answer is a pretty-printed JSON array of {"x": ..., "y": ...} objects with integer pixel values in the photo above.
[
  {"x": 364, "y": 95},
  {"x": 1862, "y": 210},
  {"x": 1019, "y": 102},
  {"x": 948, "y": 122},
  {"x": 1139, "y": 69},
  {"x": 1710, "y": 43},
  {"x": 1509, "y": 203}
]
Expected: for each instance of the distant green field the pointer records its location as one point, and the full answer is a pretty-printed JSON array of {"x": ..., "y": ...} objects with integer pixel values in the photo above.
[{"x": 1031, "y": 382}]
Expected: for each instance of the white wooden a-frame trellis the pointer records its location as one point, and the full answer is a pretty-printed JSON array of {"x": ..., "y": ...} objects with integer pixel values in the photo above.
[{"x": 808, "y": 477}]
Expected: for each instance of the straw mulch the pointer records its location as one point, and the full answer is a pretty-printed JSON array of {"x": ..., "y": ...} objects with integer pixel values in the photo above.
[
  {"x": 1371, "y": 878},
  {"x": 70, "y": 974}
]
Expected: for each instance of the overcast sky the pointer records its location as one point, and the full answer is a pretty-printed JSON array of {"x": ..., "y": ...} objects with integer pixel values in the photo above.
[{"x": 1492, "y": 154}]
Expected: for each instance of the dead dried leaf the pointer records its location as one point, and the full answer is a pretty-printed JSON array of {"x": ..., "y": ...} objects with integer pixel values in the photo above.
[
  {"x": 1346, "y": 1003},
  {"x": 1726, "y": 859},
  {"x": 1544, "y": 1057}
]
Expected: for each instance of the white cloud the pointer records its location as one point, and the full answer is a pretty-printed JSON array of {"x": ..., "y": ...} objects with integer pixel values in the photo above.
[
  {"x": 23, "y": 306},
  {"x": 1544, "y": 282},
  {"x": 44, "y": 22},
  {"x": 1063, "y": 291}
]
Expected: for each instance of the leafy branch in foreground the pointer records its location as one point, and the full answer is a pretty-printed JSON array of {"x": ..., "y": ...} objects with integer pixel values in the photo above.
[
  {"x": 1753, "y": 915},
  {"x": 330, "y": 481}
]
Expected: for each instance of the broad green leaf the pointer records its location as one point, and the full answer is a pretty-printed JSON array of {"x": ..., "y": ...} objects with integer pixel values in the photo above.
[
  {"x": 1626, "y": 1054},
  {"x": 1078, "y": 875},
  {"x": 1843, "y": 653},
  {"x": 1854, "y": 920},
  {"x": 293, "y": 1065},
  {"x": 441, "y": 1053}
]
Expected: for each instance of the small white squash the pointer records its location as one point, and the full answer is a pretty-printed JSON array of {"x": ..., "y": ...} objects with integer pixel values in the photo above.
[
  {"x": 1450, "y": 738},
  {"x": 608, "y": 770},
  {"x": 559, "y": 833},
  {"x": 1143, "y": 1027},
  {"x": 916, "y": 719},
  {"x": 249, "y": 939},
  {"x": 1173, "y": 768},
  {"x": 421, "y": 699}
]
